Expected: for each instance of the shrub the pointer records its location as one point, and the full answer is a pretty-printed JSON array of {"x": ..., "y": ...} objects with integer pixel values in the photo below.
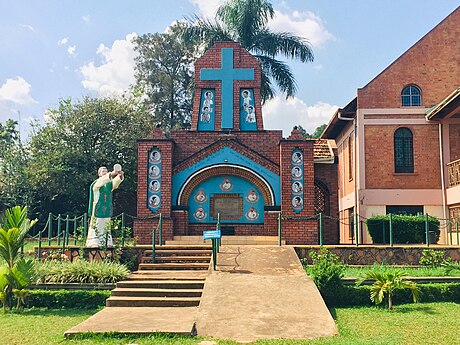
[
  {"x": 386, "y": 284},
  {"x": 326, "y": 271},
  {"x": 351, "y": 296},
  {"x": 432, "y": 258},
  {"x": 81, "y": 271},
  {"x": 58, "y": 299},
  {"x": 406, "y": 229}
]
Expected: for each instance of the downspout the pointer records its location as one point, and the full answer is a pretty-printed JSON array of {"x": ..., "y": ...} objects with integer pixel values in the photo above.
[
  {"x": 441, "y": 162},
  {"x": 355, "y": 216}
]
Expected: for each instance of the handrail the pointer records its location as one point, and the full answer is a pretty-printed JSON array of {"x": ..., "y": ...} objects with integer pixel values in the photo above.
[{"x": 453, "y": 169}]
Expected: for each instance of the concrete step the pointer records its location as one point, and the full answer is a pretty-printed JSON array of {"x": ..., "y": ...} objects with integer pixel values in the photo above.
[
  {"x": 119, "y": 301},
  {"x": 179, "y": 252},
  {"x": 168, "y": 275},
  {"x": 175, "y": 266},
  {"x": 161, "y": 284},
  {"x": 177, "y": 258},
  {"x": 226, "y": 240},
  {"x": 173, "y": 246},
  {"x": 143, "y": 292}
]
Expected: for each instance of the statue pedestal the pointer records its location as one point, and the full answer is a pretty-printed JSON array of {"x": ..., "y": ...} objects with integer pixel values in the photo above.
[{"x": 97, "y": 254}]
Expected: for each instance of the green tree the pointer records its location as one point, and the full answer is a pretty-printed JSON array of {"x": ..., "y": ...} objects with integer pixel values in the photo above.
[
  {"x": 316, "y": 134},
  {"x": 9, "y": 135},
  {"x": 245, "y": 21},
  {"x": 164, "y": 74},
  {"x": 14, "y": 182},
  {"x": 386, "y": 283},
  {"x": 79, "y": 137}
]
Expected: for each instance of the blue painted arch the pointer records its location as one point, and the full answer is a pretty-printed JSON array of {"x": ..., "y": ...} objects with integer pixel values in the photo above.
[{"x": 226, "y": 157}]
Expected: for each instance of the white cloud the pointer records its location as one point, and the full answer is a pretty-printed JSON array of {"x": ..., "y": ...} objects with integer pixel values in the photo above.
[
  {"x": 207, "y": 8},
  {"x": 116, "y": 72},
  {"x": 285, "y": 114},
  {"x": 304, "y": 24},
  {"x": 71, "y": 50},
  {"x": 16, "y": 91},
  {"x": 27, "y": 26},
  {"x": 63, "y": 41},
  {"x": 86, "y": 18}
]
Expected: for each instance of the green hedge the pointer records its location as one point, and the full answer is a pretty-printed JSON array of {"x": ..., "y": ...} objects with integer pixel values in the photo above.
[
  {"x": 406, "y": 229},
  {"x": 350, "y": 296},
  {"x": 57, "y": 299}
]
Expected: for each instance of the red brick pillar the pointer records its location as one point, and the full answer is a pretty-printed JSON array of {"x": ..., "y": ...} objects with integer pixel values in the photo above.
[
  {"x": 296, "y": 226},
  {"x": 143, "y": 227}
]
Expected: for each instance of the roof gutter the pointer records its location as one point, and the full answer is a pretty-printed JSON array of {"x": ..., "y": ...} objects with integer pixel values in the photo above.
[{"x": 436, "y": 109}]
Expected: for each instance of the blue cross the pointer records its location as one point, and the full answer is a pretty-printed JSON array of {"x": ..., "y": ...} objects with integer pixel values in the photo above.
[{"x": 227, "y": 74}]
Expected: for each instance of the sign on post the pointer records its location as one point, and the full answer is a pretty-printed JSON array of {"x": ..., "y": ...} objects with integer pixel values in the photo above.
[{"x": 211, "y": 234}]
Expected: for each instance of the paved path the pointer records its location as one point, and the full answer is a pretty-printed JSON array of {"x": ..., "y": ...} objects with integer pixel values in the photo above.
[
  {"x": 257, "y": 292},
  {"x": 139, "y": 320},
  {"x": 262, "y": 292}
]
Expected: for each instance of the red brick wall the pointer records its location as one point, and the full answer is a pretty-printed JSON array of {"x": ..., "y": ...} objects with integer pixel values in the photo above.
[
  {"x": 189, "y": 143},
  {"x": 328, "y": 174},
  {"x": 432, "y": 64},
  {"x": 454, "y": 142},
  {"x": 379, "y": 155}
]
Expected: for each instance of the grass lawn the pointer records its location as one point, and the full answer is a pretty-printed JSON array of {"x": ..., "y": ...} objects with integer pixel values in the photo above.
[
  {"x": 410, "y": 324},
  {"x": 410, "y": 271}
]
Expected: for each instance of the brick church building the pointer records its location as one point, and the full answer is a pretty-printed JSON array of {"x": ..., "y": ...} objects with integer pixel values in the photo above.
[
  {"x": 398, "y": 141},
  {"x": 227, "y": 164}
]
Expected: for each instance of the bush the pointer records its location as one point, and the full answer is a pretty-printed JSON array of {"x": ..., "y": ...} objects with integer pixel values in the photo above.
[
  {"x": 406, "y": 229},
  {"x": 81, "y": 271},
  {"x": 58, "y": 299},
  {"x": 432, "y": 258},
  {"x": 351, "y": 296},
  {"x": 326, "y": 271}
]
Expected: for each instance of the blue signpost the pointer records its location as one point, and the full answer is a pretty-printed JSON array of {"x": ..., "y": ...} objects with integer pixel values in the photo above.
[{"x": 214, "y": 236}]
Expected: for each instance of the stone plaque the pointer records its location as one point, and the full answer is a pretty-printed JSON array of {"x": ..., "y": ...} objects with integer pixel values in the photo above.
[{"x": 230, "y": 206}]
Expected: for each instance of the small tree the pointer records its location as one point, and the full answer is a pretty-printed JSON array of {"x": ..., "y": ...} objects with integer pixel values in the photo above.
[
  {"x": 326, "y": 271},
  {"x": 386, "y": 283},
  {"x": 17, "y": 274}
]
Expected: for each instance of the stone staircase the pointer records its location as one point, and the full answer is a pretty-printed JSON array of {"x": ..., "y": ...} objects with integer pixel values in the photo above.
[
  {"x": 176, "y": 279},
  {"x": 227, "y": 240}
]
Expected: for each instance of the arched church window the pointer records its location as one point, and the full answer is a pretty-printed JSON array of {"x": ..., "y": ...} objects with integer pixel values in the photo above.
[
  {"x": 403, "y": 151},
  {"x": 321, "y": 198},
  {"x": 411, "y": 96}
]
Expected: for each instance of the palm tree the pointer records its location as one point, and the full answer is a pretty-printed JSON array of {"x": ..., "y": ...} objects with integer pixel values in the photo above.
[
  {"x": 386, "y": 283},
  {"x": 245, "y": 21}
]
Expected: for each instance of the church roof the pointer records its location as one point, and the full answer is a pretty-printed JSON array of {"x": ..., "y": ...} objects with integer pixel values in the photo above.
[{"x": 323, "y": 151}]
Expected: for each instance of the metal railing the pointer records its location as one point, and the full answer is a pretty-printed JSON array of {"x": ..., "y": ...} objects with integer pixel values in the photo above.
[
  {"x": 453, "y": 169},
  {"x": 449, "y": 226}
]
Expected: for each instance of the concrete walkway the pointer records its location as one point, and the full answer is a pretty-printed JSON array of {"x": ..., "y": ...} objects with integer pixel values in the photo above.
[
  {"x": 262, "y": 292},
  {"x": 139, "y": 320},
  {"x": 257, "y": 292}
]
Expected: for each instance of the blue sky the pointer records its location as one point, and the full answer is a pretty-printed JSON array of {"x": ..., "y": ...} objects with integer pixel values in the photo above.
[{"x": 53, "y": 49}]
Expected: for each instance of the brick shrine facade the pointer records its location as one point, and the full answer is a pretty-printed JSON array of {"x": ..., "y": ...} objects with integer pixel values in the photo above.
[{"x": 228, "y": 164}]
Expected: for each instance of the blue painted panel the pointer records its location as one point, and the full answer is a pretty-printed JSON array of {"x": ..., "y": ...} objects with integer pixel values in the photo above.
[
  {"x": 247, "y": 110},
  {"x": 211, "y": 234},
  {"x": 227, "y": 74},
  {"x": 297, "y": 181},
  {"x": 206, "y": 117},
  {"x": 154, "y": 180},
  {"x": 228, "y": 156},
  {"x": 201, "y": 197}
]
